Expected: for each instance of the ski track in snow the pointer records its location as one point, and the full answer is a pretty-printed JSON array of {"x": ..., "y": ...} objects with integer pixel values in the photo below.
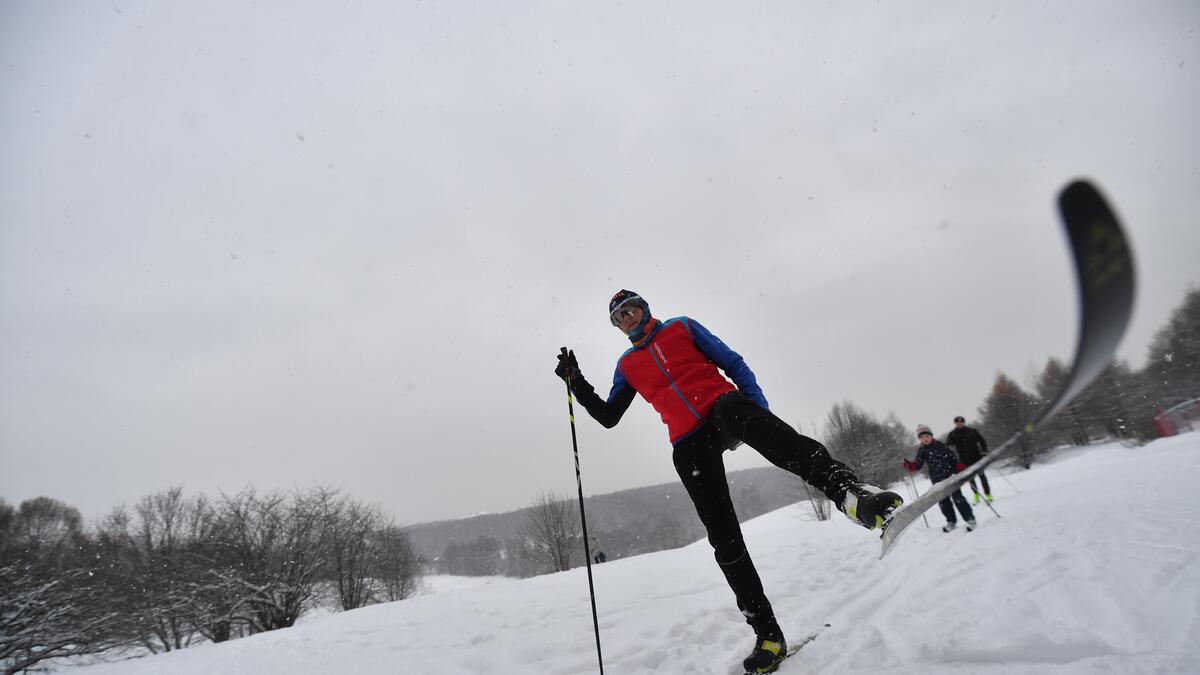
[{"x": 1093, "y": 568}]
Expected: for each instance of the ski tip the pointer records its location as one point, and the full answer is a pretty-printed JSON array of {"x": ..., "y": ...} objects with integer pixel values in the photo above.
[
  {"x": 1080, "y": 186},
  {"x": 1082, "y": 205}
]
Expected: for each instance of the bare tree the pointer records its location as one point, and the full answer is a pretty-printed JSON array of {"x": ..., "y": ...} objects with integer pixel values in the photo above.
[
  {"x": 51, "y": 604},
  {"x": 398, "y": 567},
  {"x": 151, "y": 560},
  {"x": 348, "y": 530},
  {"x": 45, "y": 618},
  {"x": 872, "y": 449},
  {"x": 45, "y": 529},
  {"x": 273, "y": 545},
  {"x": 553, "y": 528}
]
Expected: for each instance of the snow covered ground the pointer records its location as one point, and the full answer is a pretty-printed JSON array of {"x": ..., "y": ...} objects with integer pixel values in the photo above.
[{"x": 1094, "y": 568}]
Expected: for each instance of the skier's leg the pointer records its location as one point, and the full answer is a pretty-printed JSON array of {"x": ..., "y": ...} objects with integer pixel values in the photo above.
[
  {"x": 740, "y": 419},
  {"x": 948, "y": 510},
  {"x": 983, "y": 479},
  {"x": 698, "y": 463},
  {"x": 963, "y": 507}
]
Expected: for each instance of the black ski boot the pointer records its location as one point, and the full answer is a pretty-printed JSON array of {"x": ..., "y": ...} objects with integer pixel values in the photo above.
[
  {"x": 769, "y": 650},
  {"x": 869, "y": 506}
]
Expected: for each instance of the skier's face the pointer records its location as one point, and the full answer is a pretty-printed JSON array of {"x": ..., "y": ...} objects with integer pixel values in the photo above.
[
  {"x": 628, "y": 318},
  {"x": 925, "y": 439},
  {"x": 959, "y": 423}
]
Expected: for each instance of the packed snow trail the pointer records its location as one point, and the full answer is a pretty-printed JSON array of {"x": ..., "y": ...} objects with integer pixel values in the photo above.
[{"x": 1094, "y": 568}]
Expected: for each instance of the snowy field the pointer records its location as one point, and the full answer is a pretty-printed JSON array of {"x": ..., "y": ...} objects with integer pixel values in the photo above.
[{"x": 1094, "y": 568}]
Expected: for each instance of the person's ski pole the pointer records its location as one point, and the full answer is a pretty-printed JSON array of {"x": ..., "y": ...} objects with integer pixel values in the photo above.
[
  {"x": 587, "y": 553},
  {"x": 912, "y": 486},
  {"x": 989, "y": 505}
]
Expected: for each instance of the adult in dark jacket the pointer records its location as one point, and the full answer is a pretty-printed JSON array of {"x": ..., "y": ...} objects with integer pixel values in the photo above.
[
  {"x": 677, "y": 365},
  {"x": 971, "y": 446},
  {"x": 942, "y": 463}
]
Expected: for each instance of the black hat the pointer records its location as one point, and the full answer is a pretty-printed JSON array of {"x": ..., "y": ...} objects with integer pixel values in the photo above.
[
  {"x": 959, "y": 419},
  {"x": 622, "y": 296}
]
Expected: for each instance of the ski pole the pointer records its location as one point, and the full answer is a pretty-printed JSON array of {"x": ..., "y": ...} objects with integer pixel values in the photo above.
[
  {"x": 587, "y": 553},
  {"x": 989, "y": 505},
  {"x": 1010, "y": 483},
  {"x": 912, "y": 486}
]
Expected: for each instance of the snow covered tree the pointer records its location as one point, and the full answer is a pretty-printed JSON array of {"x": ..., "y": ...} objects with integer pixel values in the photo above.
[
  {"x": 151, "y": 560},
  {"x": 274, "y": 544},
  {"x": 51, "y": 603},
  {"x": 46, "y": 616},
  {"x": 1115, "y": 402},
  {"x": 872, "y": 449},
  {"x": 1173, "y": 365}
]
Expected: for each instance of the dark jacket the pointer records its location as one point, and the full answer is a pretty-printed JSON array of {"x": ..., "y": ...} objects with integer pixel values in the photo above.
[
  {"x": 968, "y": 443},
  {"x": 941, "y": 460}
]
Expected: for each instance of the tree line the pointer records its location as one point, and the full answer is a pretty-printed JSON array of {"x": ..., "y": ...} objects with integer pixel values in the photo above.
[{"x": 175, "y": 570}]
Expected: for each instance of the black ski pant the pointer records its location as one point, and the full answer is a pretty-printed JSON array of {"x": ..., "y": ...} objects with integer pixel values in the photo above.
[
  {"x": 699, "y": 465},
  {"x": 982, "y": 479},
  {"x": 961, "y": 502}
]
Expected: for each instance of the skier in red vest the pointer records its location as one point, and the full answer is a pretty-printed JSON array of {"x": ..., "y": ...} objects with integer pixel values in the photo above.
[{"x": 677, "y": 366}]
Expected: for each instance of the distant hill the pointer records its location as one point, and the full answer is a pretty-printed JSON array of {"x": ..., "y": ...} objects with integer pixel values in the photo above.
[{"x": 630, "y": 522}]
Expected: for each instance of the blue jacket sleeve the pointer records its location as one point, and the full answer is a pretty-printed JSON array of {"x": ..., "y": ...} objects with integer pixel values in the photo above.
[{"x": 729, "y": 361}]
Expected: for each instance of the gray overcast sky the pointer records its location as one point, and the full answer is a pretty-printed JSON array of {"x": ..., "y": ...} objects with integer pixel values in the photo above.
[{"x": 277, "y": 243}]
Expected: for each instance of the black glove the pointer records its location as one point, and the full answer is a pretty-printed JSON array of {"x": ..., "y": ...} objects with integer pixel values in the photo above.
[{"x": 568, "y": 367}]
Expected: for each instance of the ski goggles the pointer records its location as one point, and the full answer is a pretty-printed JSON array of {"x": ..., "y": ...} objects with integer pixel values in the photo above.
[{"x": 625, "y": 309}]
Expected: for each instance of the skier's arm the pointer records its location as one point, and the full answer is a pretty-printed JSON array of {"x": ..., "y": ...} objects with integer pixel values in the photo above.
[
  {"x": 982, "y": 441},
  {"x": 727, "y": 360},
  {"x": 609, "y": 412},
  {"x": 920, "y": 461}
]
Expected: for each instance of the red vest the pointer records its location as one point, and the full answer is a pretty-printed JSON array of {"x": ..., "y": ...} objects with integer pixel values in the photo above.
[{"x": 675, "y": 377}]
